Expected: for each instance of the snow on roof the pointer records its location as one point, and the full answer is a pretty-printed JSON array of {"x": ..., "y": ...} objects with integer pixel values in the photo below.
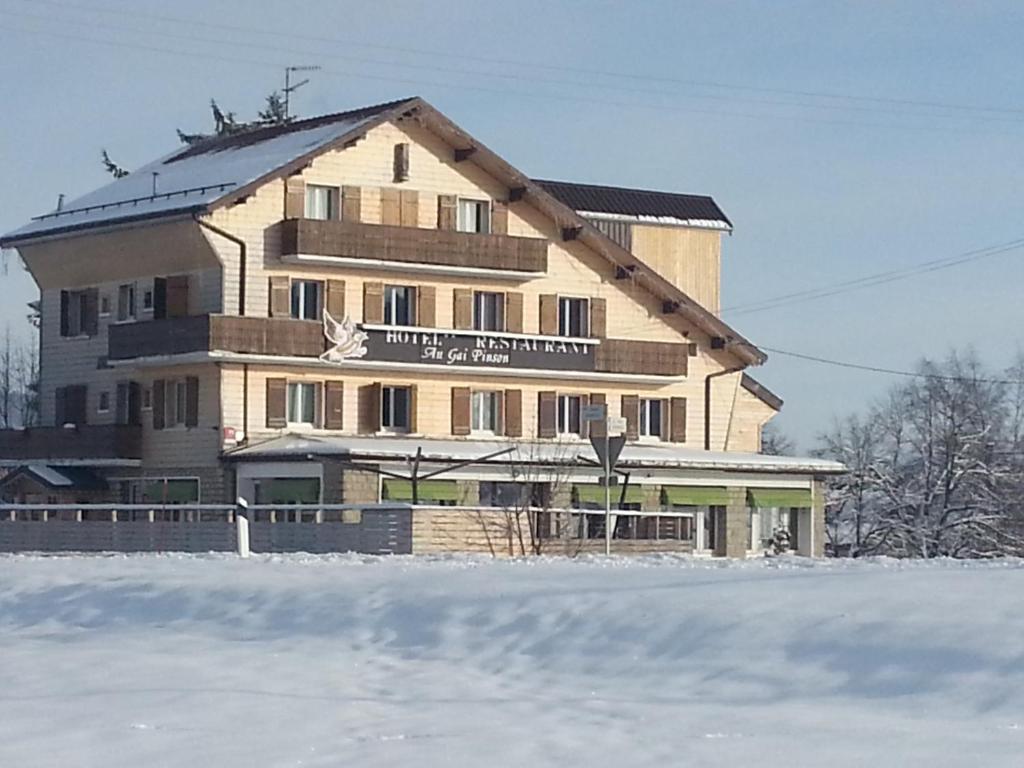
[
  {"x": 191, "y": 178},
  {"x": 634, "y": 454}
]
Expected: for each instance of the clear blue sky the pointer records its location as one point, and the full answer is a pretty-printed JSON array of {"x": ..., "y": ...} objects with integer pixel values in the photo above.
[{"x": 820, "y": 189}]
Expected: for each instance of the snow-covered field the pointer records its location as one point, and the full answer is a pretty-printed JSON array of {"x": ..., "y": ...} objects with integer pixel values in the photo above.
[{"x": 358, "y": 661}]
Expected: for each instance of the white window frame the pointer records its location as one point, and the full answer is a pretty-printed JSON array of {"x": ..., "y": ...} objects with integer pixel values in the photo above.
[
  {"x": 483, "y": 215},
  {"x": 104, "y": 310},
  {"x": 76, "y": 314},
  {"x": 565, "y": 303},
  {"x": 299, "y": 310},
  {"x": 103, "y": 402},
  {"x": 147, "y": 300},
  {"x": 388, "y": 410},
  {"x": 177, "y": 405},
  {"x": 644, "y": 427},
  {"x": 482, "y": 313},
  {"x": 333, "y": 201},
  {"x": 309, "y": 396},
  {"x": 484, "y": 412},
  {"x": 564, "y": 416},
  {"x": 146, "y": 399},
  {"x": 126, "y": 308},
  {"x": 390, "y": 305}
]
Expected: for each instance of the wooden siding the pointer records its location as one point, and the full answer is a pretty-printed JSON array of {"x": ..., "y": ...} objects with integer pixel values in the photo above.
[
  {"x": 688, "y": 257},
  {"x": 655, "y": 357},
  {"x": 96, "y": 441}
]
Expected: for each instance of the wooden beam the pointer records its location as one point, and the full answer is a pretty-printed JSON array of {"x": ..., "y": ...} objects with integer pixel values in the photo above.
[
  {"x": 516, "y": 194},
  {"x": 464, "y": 153},
  {"x": 571, "y": 233}
]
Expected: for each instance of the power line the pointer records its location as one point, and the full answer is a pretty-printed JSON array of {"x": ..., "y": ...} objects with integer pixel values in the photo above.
[{"x": 524, "y": 63}]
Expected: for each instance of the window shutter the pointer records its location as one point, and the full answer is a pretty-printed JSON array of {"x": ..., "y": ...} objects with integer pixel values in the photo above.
[
  {"x": 549, "y": 314},
  {"x": 597, "y": 428},
  {"x": 409, "y": 212},
  {"x": 369, "y": 408},
  {"x": 134, "y": 403},
  {"x": 351, "y": 204},
  {"x": 280, "y": 296},
  {"x": 426, "y": 306},
  {"x": 461, "y": 403},
  {"x": 447, "y": 212},
  {"x": 390, "y": 207},
  {"x": 65, "y": 326},
  {"x": 678, "y": 420},
  {"x": 121, "y": 403},
  {"x": 631, "y": 412},
  {"x": 598, "y": 318},
  {"x": 514, "y": 312},
  {"x": 277, "y": 403},
  {"x": 177, "y": 296},
  {"x": 401, "y": 162},
  {"x": 373, "y": 303},
  {"x": 499, "y": 413},
  {"x": 159, "y": 391},
  {"x": 92, "y": 311},
  {"x": 60, "y": 407},
  {"x": 295, "y": 198},
  {"x": 334, "y": 403},
  {"x": 412, "y": 408},
  {"x": 76, "y": 406},
  {"x": 499, "y": 217},
  {"x": 463, "y": 309},
  {"x": 547, "y": 414},
  {"x": 159, "y": 298},
  {"x": 334, "y": 302},
  {"x": 513, "y": 426},
  {"x": 191, "y": 401}
]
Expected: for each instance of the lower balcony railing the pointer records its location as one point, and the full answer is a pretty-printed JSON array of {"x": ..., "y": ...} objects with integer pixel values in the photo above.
[{"x": 88, "y": 441}]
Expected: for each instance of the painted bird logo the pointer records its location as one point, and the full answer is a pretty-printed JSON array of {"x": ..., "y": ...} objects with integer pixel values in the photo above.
[{"x": 346, "y": 340}]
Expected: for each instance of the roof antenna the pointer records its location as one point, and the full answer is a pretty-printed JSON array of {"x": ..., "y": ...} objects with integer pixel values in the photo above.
[
  {"x": 60, "y": 202},
  {"x": 155, "y": 174},
  {"x": 288, "y": 87}
]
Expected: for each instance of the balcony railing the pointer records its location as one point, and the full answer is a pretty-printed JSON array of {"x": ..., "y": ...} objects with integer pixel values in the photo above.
[
  {"x": 413, "y": 245},
  {"x": 88, "y": 441}
]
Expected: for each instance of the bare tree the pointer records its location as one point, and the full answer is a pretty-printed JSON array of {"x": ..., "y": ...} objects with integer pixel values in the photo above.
[
  {"x": 774, "y": 442},
  {"x": 8, "y": 395}
]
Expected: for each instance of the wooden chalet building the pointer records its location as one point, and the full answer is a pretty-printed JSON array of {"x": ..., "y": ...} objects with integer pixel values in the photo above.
[{"x": 317, "y": 312}]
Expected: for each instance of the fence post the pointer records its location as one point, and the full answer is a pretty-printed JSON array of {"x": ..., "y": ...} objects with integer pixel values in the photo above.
[{"x": 242, "y": 527}]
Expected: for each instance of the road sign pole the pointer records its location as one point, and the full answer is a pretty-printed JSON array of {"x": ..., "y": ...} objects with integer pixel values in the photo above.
[{"x": 607, "y": 494}]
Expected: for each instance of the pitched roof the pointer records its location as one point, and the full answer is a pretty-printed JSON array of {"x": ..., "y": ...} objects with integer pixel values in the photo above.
[
  {"x": 58, "y": 478},
  {"x": 641, "y": 204},
  {"x": 761, "y": 392},
  {"x": 192, "y": 178}
]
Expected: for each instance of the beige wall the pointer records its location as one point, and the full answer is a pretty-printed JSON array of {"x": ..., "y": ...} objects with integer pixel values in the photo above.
[{"x": 690, "y": 258}]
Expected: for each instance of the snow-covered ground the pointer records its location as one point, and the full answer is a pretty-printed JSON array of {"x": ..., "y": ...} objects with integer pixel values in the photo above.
[{"x": 358, "y": 661}]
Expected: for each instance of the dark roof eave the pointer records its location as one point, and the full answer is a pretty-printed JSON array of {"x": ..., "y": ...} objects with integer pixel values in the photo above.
[
  {"x": 761, "y": 392},
  {"x": 14, "y": 242}
]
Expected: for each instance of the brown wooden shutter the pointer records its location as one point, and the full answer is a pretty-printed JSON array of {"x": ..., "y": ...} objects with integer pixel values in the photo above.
[
  {"x": 277, "y": 403},
  {"x": 547, "y": 414},
  {"x": 295, "y": 198},
  {"x": 513, "y": 426},
  {"x": 598, "y": 318},
  {"x": 677, "y": 432},
  {"x": 134, "y": 403},
  {"x": 409, "y": 208},
  {"x": 413, "y": 408},
  {"x": 280, "y": 296},
  {"x": 60, "y": 407},
  {"x": 334, "y": 403},
  {"x": 159, "y": 298},
  {"x": 631, "y": 412},
  {"x": 373, "y": 303},
  {"x": 121, "y": 403},
  {"x": 514, "y": 312},
  {"x": 390, "y": 207},
  {"x": 65, "y": 325},
  {"x": 499, "y": 217},
  {"x": 598, "y": 428},
  {"x": 335, "y": 299},
  {"x": 549, "y": 314},
  {"x": 351, "y": 204},
  {"x": 191, "y": 401},
  {"x": 463, "y": 309},
  {"x": 92, "y": 311},
  {"x": 401, "y": 165},
  {"x": 447, "y": 212},
  {"x": 76, "y": 407},
  {"x": 369, "y": 408},
  {"x": 426, "y": 306},
  {"x": 177, "y": 296},
  {"x": 159, "y": 403},
  {"x": 461, "y": 404}
]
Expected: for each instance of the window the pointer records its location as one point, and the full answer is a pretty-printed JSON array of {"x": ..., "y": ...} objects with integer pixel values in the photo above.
[
  {"x": 302, "y": 403},
  {"x": 569, "y": 414},
  {"x": 104, "y": 305},
  {"x": 573, "y": 315},
  {"x": 104, "y": 403},
  {"x": 306, "y": 299},
  {"x": 178, "y": 403},
  {"x": 488, "y": 311},
  {"x": 160, "y": 490},
  {"x": 508, "y": 495},
  {"x": 396, "y": 409},
  {"x": 147, "y": 299},
  {"x": 485, "y": 412},
  {"x": 78, "y": 310},
  {"x": 147, "y": 399},
  {"x": 126, "y": 302},
  {"x": 651, "y": 414},
  {"x": 474, "y": 216},
  {"x": 399, "y": 305},
  {"x": 321, "y": 202}
]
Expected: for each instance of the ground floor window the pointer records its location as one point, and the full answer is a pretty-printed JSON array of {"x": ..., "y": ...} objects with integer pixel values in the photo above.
[
  {"x": 777, "y": 528},
  {"x": 161, "y": 490}
]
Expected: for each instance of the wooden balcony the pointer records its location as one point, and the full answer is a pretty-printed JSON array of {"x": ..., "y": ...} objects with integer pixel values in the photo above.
[
  {"x": 89, "y": 441},
  {"x": 661, "y": 358},
  {"x": 412, "y": 245}
]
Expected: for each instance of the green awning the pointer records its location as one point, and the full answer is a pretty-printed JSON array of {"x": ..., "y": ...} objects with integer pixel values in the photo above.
[
  {"x": 594, "y": 494},
  {"x": 695, "y": 496},
  {"x": 290, "y": 490},
  {"x": 765, "y": 498},
  {"x": 170, "y": 492},
  {"x": 429, "y": 490}
]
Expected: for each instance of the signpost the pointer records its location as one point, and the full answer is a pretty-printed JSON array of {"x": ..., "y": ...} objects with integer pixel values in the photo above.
[{"x": 608, "y": 449}]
